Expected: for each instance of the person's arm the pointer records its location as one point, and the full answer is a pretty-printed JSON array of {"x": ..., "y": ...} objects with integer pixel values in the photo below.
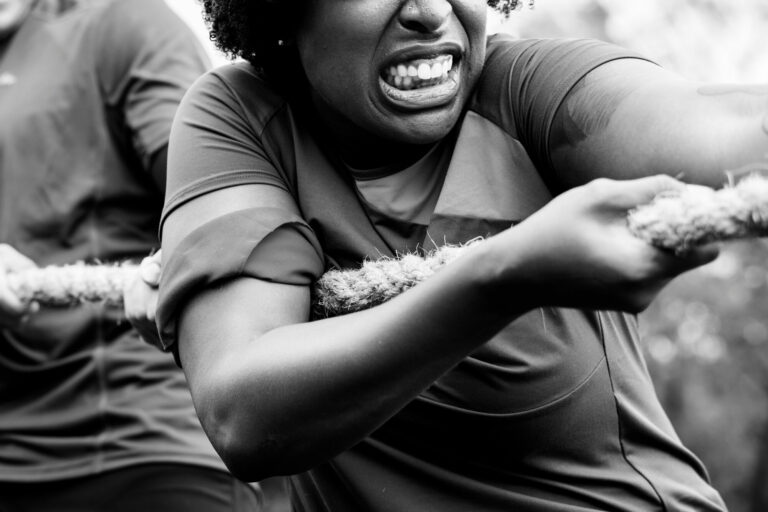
[
  {"x": 146, "y": 60},
  {"x": 278, "y": 394},
  {"x": 630, "y": 118}
]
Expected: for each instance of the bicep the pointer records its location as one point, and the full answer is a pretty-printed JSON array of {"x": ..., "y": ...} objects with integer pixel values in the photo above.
[
  {"x": 241, "y": 308},
  {"x": 218, "y": 324},
  {"x": 629, "y": 118}
]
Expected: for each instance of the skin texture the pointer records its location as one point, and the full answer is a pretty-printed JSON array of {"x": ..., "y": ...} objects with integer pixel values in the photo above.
[
  {"x": 655, "y": 122},
  {"x": 274, "y": 404},
  {"x": 589, "y": 117},
  {"x": 743, "y": 92},
  {"x": 344, "y": 46},
  {"x": 12, "y": 14}
]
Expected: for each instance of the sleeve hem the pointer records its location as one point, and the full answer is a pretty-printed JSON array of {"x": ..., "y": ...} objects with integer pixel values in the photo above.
[{"x": 213, "y": 183}]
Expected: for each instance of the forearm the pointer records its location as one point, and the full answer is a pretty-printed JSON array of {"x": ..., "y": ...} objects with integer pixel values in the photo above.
[
  {"x": 741, "y": 130},
  {"x": 700, "y": 132},
  {"x": 278, "y": 394},
  {"x": 313, "y": 389}
]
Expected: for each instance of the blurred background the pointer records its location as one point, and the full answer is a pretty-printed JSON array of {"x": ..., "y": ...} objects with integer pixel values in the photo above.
[{"x": 706, "y": 336}]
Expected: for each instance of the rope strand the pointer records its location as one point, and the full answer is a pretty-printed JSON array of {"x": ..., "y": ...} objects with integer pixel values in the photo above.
[{"x": 675, "y": 221}]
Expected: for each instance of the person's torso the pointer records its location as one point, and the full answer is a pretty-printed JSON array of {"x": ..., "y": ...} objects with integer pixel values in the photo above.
[
  {"x": 79, "y": 391},
  {"x": 557, "y": 411}
]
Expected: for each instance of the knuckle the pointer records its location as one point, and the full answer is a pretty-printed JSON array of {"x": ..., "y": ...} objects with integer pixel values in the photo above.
[{"x": 601, "y": 190}]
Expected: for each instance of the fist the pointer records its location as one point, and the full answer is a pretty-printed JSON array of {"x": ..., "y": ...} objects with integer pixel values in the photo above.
[{"x": 140, "y": 298}]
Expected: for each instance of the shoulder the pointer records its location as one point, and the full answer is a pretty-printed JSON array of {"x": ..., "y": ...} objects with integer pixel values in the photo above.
[
  {"x": 136, "y": 23},
  {"x": 535, "y": 75},
  {"x": 114, "y": 13},
  {"x": 239, "y": 89},
  {"x": 554, "y": 57},
  {"x": 114, "y": 28}
]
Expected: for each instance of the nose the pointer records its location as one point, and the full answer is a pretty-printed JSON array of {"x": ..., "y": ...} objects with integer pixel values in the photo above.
[{"x": 425, "y": 16}]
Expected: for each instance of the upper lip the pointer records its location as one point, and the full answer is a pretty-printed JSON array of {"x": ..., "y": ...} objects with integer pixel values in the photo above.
[{"x": 422, "y": 51}]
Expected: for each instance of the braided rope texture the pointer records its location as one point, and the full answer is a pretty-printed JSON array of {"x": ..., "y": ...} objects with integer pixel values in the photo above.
[
  {"x": 72, "y": 284},
  {"x": 680, "y": 220},
  {"x": 338, "y": 292},
  {"x": 676, "y": 221}
]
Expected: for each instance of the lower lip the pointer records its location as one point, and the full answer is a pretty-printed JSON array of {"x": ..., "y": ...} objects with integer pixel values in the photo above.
[{"x": 425, "y": 97}]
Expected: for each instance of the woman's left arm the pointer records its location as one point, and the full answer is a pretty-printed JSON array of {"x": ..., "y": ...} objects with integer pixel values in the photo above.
[{"x": 630, "y": 118}]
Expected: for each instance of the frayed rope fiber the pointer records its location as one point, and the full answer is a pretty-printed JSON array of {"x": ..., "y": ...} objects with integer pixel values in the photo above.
[
  {"x": 675, "y": 221},
  {"x": 680, "y": 220}
]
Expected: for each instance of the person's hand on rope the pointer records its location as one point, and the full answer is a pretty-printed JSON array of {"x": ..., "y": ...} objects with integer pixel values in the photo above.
[
  {"x": 582, "y": 254},
  {"x": 12, "y": 309},
  {"x": 140, "y": 298}
]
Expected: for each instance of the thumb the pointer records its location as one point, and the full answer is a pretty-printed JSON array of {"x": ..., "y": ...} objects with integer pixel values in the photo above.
[
  {"x": 646, "y": 189},
  {"x": 13, "y": 261},
  {"x": 150, "y": 269}
]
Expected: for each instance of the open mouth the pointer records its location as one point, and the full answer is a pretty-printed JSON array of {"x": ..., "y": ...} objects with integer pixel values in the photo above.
[
  {"x": 422, "y": 83},
  {"x": 419, "y": 73}
]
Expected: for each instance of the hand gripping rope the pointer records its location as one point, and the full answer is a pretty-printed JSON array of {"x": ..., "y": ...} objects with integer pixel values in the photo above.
[{"x": 675, "y": 221}]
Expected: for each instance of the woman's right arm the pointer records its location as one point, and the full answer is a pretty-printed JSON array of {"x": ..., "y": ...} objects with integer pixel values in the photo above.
[{"x": 278, "y": 394}]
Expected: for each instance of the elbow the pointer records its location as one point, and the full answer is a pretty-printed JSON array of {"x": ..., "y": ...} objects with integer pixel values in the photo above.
[
  {"x": 247, "y": 463},
  {"x": 252, "y": 450},
  {"x": 247, "y": 454}
]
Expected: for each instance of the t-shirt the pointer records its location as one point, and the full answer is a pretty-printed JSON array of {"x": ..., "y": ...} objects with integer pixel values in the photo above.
[
  {"x": 556, "y": 412},
  {"x": 88, "y": 90}
]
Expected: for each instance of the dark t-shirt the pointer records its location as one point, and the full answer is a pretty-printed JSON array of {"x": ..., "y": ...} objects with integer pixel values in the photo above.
[
  {"x": 555, "y": 413},
  {"x": 88, "y": 90}
]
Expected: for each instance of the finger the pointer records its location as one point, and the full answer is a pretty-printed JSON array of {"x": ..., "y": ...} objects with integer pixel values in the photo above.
[
  {"x": 697, "y": 256},
  {"x": 694, "y": 257},
  {"x": 133, "y": 297},
  {"x": 149, "y": 270},
  {"x": 645, "y": 189},
  {"x": 10, "y": 305},
  {"x": 13, "y": 261}
]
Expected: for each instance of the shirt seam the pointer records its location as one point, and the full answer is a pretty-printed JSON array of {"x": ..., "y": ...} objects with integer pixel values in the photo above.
[
  {"x": 537, "y": 408},
  {"x": 620, "y": 434}
]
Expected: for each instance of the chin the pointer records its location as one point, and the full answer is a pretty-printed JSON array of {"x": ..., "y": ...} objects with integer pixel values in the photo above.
[{"x": 425, "y": 129}]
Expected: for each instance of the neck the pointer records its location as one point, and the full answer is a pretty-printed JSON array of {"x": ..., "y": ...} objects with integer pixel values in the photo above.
[
  {"x": 379, "y": 154},
  {"x": 361, "y": 149}
]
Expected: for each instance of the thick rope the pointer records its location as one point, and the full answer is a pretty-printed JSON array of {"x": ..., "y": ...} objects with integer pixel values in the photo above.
[
  {"x": 675, "y": 221},
  {"x": 72, "y": 284},
  {"x": 698, "y": 215},
  {"x": 338, "y": 292}
]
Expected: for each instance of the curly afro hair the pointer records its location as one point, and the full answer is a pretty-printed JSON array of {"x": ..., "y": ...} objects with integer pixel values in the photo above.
[{"x": 259, "y": 30}]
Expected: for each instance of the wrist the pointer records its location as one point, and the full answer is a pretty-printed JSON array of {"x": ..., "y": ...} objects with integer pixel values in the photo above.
[{"x": 502, "y": 267}]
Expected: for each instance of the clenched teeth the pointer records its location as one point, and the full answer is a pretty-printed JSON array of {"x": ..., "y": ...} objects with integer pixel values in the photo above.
[{"x": 419, "y": 73}]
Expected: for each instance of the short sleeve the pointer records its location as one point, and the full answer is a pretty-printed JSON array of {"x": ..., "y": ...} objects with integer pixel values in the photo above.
[
  {"x": 218, "y": 141},
  {"x": 525, "y": 81},
  {"x": 147, "y": 59},
  {"x": 262, "y": 243}
]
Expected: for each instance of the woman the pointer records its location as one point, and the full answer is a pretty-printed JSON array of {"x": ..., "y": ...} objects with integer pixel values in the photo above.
[{"x": 370, "y": 128}]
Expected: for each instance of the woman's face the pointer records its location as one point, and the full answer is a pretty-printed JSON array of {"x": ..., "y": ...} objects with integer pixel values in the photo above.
[
  {"x": 396, "y": 69},
  {"x": 12, "y": 14}
]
